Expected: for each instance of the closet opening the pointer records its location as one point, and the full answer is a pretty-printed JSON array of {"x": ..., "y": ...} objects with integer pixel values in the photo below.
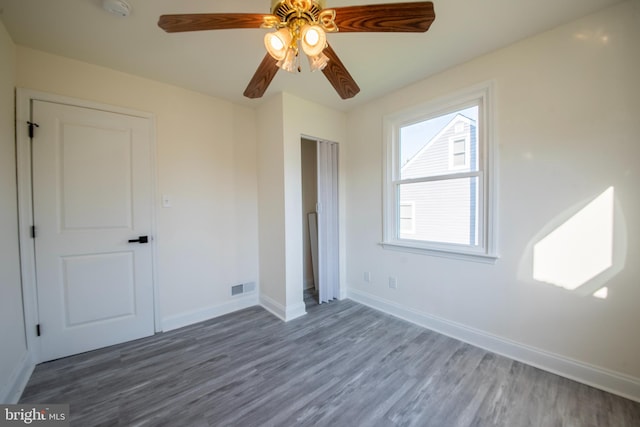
[{"x": 321, "y": 277}]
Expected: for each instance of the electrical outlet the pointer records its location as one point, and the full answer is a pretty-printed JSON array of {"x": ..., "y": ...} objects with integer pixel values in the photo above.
[
  {"x": 393, "y": 283},
  {"x": 367, "y": 276}
]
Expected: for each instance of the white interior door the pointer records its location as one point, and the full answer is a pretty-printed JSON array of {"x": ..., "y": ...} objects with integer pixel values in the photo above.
[
  {"x": 328, "y": 231},
  {"x": 92, "y": 193}
]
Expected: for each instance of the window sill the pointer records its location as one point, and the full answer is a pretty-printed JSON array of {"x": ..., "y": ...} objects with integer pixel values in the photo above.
[{"x": 444, "y": 253}]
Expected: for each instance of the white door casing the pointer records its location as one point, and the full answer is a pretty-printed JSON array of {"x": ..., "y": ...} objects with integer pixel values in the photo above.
[{"x": 92, "y": 193}]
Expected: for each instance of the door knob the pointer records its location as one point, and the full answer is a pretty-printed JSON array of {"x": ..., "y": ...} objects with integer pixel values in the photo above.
[{"x": 141, "y": 239}]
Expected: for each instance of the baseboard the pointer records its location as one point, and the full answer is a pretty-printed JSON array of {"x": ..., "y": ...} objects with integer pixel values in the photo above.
[
  {"x": 273, "y": 307},
  {"x": 185, "y": 319},
  {"x": 604, "y": 379},
  {"x": 283, "y": 313},
  {"x": 295, "y": 310},
  {"x": 12, "y": 390}
]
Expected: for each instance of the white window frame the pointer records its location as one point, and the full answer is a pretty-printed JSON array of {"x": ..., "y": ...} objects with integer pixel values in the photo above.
[{"x": 485, "y": 250}]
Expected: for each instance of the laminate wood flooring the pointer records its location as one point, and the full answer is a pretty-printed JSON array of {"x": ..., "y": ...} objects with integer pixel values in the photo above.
[{"x": 343, "y": 364}]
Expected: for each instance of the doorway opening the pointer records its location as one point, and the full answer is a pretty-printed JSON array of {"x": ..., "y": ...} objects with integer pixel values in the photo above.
[{"x": 321, "y": 279}]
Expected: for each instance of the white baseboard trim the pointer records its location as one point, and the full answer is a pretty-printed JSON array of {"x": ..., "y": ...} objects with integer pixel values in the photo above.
[
  {"x": 295, "y": 310},
  {"x": 281, "y": 312},
  {"x": 273, "y": 307},
  {"x": 601, "y": 378},
  {"x": 12, "y": 390},
  {"x": 185, "y": 319}
]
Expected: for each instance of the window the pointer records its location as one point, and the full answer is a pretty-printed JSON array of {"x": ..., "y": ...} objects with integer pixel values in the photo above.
[
  {"x": 439, "y": 181},
  {"x": 458, "y": 149},
  {"x": 407, "y": 217}
]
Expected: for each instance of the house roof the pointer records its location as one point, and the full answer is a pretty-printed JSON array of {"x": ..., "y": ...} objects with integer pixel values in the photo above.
[{"x": 458, "y": 117}]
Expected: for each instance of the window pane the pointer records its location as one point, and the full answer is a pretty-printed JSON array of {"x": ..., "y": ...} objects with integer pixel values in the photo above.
[
  {"x": 406, "y": 226},
  {"x": 407, "y": 223},
  {"x": 425, "y": 146},
  {"x": 406, "y": 211},
  {"x": 458, "y": 159},
  {"x": 445, "y": 211},
  {"x": 458, "y": 146}
]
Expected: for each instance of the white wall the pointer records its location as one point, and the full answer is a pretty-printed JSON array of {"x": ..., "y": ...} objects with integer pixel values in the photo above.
[
  {"x": 13, "y": 350},
  {"x": 567, "y": 106},
  {"x": 302, "y": 117},
  {"x": 271, "y": 206},
  {"x": 206, "y": 163},
  {"x": 282, "y": 121}
]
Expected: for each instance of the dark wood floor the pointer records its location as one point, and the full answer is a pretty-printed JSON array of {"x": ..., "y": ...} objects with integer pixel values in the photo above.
[{"x": 342, "y": 364}]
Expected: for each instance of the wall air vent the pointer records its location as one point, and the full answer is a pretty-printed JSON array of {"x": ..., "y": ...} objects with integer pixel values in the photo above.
[{"x": 243, "y": 288}]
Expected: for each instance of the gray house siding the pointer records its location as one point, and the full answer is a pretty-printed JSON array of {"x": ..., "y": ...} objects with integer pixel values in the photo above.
[{"x": 443, "y": 210}]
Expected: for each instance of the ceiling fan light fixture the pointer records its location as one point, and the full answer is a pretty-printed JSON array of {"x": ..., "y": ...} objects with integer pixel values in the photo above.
[
  {"x": 288, "y": 19},
  {"x": 313, "y": 39},
  {"x": 318, "y": 62},
  {"x": 277, "y": 43},
  {"x": 290, "y": 61}
]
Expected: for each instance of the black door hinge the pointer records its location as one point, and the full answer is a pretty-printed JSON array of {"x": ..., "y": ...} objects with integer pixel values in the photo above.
[
  {"x": 38, "y": 329},
  {"x": 31, "y": 126},
  {"x": 33, "y": 231}
]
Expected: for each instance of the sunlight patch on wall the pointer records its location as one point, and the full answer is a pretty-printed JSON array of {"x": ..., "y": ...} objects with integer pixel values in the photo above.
[
  {"x": 580, "y": 248},
  {"x": 597, "y": 37},
  {"x": 602, "y": 293}
]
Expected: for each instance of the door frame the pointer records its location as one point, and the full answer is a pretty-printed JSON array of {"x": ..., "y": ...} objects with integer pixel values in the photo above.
[
  {"x": 24, "y": 98},
  {"x": 342, "y": 291}
]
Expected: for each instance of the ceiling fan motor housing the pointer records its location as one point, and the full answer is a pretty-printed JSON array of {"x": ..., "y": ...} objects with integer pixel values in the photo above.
[
  {"x": 276, "y": 3},
  {"x": 284, "y": 9}
]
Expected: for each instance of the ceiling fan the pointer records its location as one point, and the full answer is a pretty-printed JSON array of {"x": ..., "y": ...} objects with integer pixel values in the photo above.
[{"x": 304, "y": 24}]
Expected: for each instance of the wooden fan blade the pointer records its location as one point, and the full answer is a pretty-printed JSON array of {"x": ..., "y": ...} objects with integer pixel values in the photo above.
[
  {"x": 262, "y": 78},
  {"x": 393, "y": 17},
  {"x": 338, "y": 76},
  {"x": 209, "y": 21}
]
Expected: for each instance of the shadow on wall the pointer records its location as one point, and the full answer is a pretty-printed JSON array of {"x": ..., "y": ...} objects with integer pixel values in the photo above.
[{"x": 582, "y": 249}]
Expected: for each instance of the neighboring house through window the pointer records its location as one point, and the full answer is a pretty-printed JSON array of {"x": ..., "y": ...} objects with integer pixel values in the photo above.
[
  {"x": 407, "y": 217},
  {"x": 438, "y": 194},
  {"x": 459, "y": 152}
]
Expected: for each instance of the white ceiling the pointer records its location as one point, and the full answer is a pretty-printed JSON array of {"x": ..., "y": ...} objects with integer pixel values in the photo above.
[{"x": 221, "y": 63}]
